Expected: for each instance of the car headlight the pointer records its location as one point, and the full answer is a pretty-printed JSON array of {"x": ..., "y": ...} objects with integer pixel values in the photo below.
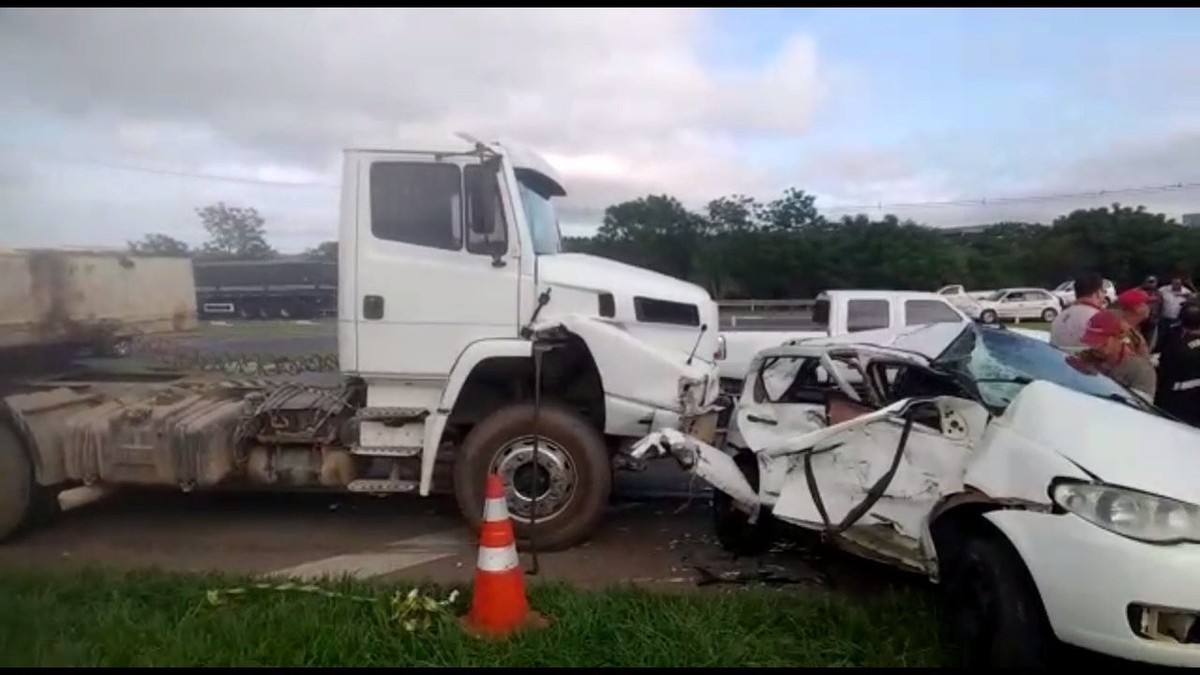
[{"x": 1130, "y": 513}]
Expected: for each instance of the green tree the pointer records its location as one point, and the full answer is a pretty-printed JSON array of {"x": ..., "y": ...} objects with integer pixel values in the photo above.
[
  {"x": 160, "y": 245},
  {"x": 234, "y": 233}
]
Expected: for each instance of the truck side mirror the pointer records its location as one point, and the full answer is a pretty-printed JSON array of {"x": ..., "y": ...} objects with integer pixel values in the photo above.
[{"x": 483, "y": 216}]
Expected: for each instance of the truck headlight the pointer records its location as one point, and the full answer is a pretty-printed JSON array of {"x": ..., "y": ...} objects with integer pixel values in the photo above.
[
  {"x": 1129, "y": 513},
  {"x": 720, "y": 355}
]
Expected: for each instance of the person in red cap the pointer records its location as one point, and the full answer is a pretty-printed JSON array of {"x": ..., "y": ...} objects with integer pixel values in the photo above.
[
  {"x": 1133, "y": 308},
  {"x": 1110, "y": 347}
]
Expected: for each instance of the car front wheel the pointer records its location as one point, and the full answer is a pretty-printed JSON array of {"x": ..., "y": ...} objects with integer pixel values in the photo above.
[
  {"x": 1048, "y": 314},
  {"x": 994, "y": 607}
]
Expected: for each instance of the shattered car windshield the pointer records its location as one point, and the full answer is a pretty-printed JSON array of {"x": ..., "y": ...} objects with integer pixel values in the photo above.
[{"x": 1002, "y": 362}]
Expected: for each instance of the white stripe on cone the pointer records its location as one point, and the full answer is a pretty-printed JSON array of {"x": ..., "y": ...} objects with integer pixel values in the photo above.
[
  {"x": 495, "y": 510},
  {"x": 498, "y": 559}
]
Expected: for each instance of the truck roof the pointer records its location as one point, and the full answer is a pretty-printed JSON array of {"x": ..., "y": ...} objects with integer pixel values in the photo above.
[{"x": 521, "y": 156}]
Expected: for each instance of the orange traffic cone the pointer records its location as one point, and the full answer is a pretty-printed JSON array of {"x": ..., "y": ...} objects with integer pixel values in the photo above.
[{"x": 499, "y": 605}]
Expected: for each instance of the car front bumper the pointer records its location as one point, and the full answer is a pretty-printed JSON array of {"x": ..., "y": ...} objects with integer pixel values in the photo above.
[{"x": 1100, "y": 589}]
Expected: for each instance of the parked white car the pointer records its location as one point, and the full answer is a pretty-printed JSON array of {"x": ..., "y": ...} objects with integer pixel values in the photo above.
[
  {"x": 1065, "y": 292},
  {"x": 1034, "y": 304},
  {"x": 1049, "y": 502}
]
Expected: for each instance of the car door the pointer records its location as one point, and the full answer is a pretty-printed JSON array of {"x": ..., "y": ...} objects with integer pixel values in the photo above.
[
  {"x": 1011, "y": 305},
  {"x": 873, "y": 480}
]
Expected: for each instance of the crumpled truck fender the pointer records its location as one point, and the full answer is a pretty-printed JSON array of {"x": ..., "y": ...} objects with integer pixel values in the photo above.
[
  {"x": 641, "y": 378},
  {"x": 435, "y": 425}
]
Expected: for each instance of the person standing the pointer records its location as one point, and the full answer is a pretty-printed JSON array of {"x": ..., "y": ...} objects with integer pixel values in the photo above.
[
  {"x": 1173, "y": 295},
  {"x": 1134, "y": 308},
  {"x": 1066, "y": 331},
  {"x": 1179, "y": 368},
  {"x": 1149, "y": 328},
  {"x": 1109, "y": 347}
]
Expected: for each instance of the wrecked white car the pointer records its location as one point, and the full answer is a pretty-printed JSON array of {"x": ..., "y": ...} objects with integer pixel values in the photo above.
[{"x": 1046, "y": 500}]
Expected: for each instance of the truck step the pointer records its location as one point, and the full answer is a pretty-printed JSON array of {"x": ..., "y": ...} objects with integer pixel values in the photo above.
[
  {"x": 365, "y": 485},
  {"x": 386, "y": 451},
  {"x": 392, "y": 414}
]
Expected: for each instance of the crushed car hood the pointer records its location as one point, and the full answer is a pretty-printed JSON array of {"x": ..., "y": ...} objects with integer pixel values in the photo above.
[{"x": 1114, "y": 442}]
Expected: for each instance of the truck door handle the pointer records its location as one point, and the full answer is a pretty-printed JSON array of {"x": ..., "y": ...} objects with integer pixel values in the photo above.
[{"x": 372, "y": 307}]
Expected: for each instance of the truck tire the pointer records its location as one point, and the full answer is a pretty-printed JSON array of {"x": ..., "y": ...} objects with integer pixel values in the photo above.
[
  {"x": 23, "y": 503},
  {"x": 994, "y": 609},
  {"x": 573, "y": 455}
]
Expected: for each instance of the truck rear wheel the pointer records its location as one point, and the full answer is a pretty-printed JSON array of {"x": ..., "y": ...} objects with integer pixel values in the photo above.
[
  {"x": 573, "y": 473},
  {"x": 23, "y": 503}
]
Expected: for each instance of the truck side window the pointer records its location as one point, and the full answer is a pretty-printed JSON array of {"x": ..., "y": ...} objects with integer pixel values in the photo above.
[
  {"x": 866, "y": 315},
  {"x": 495, "y": 243},
  {"x": 417, "y": 203},
  {"x": 918, "y": 312}
]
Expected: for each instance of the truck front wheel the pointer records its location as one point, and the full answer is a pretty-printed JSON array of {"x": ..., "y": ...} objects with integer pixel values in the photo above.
[
  {"x": 23, "y": 503},
  {"x": 572, "y": 474}
]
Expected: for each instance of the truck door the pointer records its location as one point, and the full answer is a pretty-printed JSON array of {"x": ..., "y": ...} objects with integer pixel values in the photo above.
[{"x": 436, "y": 264}]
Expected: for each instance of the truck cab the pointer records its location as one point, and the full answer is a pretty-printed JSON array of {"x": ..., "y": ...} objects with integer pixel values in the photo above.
[
  {"x": 453, "y": 283},
  {"x": 469, "y": 343}
]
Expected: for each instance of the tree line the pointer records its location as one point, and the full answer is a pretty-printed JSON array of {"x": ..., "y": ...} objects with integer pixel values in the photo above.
[{"x": 739, "y": 247}]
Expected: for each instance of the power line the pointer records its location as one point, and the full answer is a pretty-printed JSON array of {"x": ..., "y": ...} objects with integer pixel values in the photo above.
[
  {"x": 169, "y": 172},
  {"x": 877, "y": 206},
  {"x": 985, "y": 201}
]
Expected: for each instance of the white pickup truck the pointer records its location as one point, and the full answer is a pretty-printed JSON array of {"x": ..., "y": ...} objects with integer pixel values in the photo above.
[
  {"x": 835, "y": 313},
  {"x": 839, "y": 312}
]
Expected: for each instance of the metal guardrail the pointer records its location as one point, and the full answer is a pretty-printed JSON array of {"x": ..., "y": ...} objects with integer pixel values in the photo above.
[{"x": 796, "y": 305}]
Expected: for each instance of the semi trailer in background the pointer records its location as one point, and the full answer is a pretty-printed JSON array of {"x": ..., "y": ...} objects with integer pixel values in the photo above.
[{"x": 266, "y": 289}]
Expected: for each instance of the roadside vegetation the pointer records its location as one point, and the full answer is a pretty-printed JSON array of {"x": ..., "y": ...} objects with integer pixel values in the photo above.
[{"x": 103, "y": 618}]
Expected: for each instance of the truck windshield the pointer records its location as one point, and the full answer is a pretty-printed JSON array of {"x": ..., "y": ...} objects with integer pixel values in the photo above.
[{"x": 543, "y": 220}]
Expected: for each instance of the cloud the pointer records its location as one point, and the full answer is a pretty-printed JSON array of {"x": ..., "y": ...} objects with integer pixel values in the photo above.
[{"x": 620, "y": 99}]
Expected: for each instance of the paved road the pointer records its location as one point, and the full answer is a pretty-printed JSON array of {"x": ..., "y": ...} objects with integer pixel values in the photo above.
[{"x": 657, "y": 543}]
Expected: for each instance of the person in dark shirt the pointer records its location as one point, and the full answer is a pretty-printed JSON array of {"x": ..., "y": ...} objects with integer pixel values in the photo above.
[{"x": 1178, "y": 390}]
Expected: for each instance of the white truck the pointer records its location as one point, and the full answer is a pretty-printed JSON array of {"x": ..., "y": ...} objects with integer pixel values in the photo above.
[
  {"x": 836, "y": 312},
  {"x": 455, "y": 301}
]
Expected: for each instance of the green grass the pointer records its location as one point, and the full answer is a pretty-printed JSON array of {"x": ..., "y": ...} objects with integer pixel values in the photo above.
[{"x": 100, "y": 618}]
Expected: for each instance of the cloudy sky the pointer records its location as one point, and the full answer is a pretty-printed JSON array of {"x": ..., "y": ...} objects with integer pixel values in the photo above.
[{"x": 114, "y": 123}]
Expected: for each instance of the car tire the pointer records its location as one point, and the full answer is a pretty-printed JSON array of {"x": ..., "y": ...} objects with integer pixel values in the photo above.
[
  {"x": 733, "y": 528},
  {"x": 578, "y": 439},
  {"x": 993, "y": 607},
  {"x": 23, "y": 503},
  {"x": 1049, "y": 314},
  {"x": 988, "y": 316}
]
